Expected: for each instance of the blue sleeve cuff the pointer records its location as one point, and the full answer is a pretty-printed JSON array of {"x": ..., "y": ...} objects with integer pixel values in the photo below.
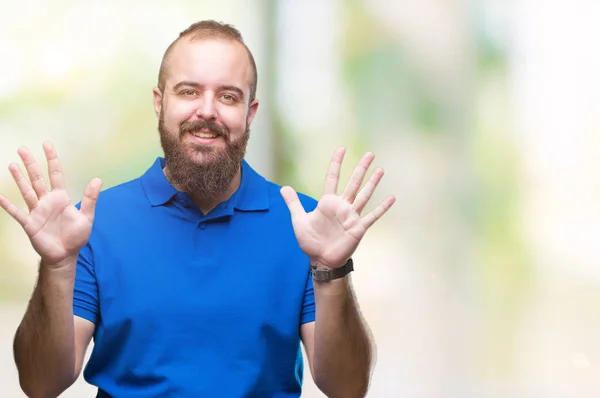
[
  {"x": 85, "y": 294},
  {"x": 308, "y": 306},
  {"x": 82, "y": 312}
]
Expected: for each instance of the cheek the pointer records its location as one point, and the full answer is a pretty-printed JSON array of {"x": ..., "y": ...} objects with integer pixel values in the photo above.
[
  {"x": 234, "y": 119},
  {"x": 175, "y": 114}
]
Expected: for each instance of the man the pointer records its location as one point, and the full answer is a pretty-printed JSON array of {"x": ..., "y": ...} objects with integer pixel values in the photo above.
[{"x": 193, "y": 280}]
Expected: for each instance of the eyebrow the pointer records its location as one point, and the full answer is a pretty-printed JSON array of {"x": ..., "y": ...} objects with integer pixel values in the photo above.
[{"x": 184, "y": 83}]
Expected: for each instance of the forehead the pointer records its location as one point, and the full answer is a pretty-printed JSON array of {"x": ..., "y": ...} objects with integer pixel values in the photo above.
[{"x": 209, "y": 62}]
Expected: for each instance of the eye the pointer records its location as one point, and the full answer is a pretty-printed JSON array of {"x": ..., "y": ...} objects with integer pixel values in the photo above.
[
  {"x": 228, "y": 98},
  {"x": 188, "y": 92}
]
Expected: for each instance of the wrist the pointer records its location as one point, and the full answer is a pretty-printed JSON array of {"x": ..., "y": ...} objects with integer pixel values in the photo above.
[
  {"x": 64, "y": 277},
  {"x": 66, "y": 265},
  {"x": 314, "y": 263},
  {"x": 335, "y": 288},
  {"x": 321, "y": 273}
]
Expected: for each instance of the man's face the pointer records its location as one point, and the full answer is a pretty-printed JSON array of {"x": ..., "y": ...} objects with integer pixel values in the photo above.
[{"x": 204, "y": 114}]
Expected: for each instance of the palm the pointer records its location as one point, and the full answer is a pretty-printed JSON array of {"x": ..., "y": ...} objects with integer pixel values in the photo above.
[
  {"x": 57, "y": 229},
  {"x": 330, "y": 234},
  {"x": 330, "y": 231}
]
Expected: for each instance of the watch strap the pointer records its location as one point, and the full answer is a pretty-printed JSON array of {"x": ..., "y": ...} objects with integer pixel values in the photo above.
[{"x": 325, "y": 275}]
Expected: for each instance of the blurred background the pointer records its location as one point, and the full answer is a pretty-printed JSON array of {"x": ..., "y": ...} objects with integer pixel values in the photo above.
[{"x": 483, "y": 280}]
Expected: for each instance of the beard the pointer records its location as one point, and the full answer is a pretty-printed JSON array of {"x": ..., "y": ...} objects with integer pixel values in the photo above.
[{"x": 205, "y": 171}]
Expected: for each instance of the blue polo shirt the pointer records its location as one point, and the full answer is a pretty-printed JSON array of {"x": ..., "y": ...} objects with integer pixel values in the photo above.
[{"x": 194, "y": 305}]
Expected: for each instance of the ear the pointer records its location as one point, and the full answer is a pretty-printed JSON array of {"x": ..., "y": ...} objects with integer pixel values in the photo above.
[
  {"x": 252, "y": 111},
  {"x": 157, "y": 98}
]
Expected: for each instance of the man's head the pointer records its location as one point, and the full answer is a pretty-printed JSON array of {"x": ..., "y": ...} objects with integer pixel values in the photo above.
[{"x": 205, "y": 102}]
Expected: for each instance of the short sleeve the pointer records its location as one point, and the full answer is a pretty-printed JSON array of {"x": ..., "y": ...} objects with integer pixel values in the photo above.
[
  {"x": 308, "y": 304},
  {"x": 85, "y": 295}
]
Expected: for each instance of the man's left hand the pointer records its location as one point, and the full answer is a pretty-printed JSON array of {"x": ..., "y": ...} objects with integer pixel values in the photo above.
[{"x": 330, "y": 234}]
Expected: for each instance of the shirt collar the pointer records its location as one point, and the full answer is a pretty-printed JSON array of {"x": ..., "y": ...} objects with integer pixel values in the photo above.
[
  {"x": 157, "y": 188},
  {"x": 252, "y": 194}
]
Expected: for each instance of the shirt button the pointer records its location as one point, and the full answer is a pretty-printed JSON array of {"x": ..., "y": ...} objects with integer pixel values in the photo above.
[{"x": 202, "y": 226}]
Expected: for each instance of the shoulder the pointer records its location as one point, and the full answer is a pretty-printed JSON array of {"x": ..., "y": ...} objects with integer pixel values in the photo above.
[
  {"x": 308, "y": 202},
  {"x": 116, "y": 205},
  {"x": 122, "y": 194},
  {"x": 265, "y": 189},
  {"x": 125, "y": 192}
]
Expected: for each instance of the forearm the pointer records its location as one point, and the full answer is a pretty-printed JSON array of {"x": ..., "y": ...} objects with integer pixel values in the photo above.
[
  {"x": 44, "y": 343},
  {"x": 343, "y": 348}
]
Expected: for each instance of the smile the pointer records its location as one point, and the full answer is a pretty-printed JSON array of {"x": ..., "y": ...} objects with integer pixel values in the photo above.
[{"x": 201, "y": 134}]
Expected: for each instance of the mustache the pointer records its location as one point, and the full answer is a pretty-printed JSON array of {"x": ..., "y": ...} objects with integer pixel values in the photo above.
[{"x": 189, "y": 127}]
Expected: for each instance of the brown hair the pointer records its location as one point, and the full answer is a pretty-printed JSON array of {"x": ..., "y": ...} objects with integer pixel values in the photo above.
[{"x": 209, "y": 29}]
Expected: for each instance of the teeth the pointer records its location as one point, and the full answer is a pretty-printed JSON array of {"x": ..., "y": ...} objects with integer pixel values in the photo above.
[{"x": 204, "y": 135}]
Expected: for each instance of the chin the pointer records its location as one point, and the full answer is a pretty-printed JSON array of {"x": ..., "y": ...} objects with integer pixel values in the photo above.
[{"x": 205, "y": 155}]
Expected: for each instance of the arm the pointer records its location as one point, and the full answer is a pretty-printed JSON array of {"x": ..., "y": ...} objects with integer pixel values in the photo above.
[
  {"x": 50, "y": 342},
  {"x": 338, "y": 344},
  {"x": 49, "y": 335}
]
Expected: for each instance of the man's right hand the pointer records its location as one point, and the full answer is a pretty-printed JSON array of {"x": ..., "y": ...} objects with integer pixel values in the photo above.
[{"x": 56, "y": 228}]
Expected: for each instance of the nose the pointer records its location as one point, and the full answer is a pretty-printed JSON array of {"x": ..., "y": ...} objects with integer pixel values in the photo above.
[{"x": 206, "y": 107}]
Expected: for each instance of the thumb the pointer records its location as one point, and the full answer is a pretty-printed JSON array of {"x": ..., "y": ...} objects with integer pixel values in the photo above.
[
  {"x": 292, "y": 201},
  {"x": 90, "y": 197}
]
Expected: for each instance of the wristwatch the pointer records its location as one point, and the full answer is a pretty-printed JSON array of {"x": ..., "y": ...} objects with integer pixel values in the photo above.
[{"x": 325, "y": 275}]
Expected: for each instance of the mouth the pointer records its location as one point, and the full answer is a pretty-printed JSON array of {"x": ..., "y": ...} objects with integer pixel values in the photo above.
[
  {"x": 204, "y": 137},
  {"x": 204, "y": 133}
]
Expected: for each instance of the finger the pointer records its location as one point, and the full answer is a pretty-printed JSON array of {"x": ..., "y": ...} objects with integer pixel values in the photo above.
[
  {"x": 16, "y": 213},
  {"x": 366, "y": 192},
  {"x": 90, "y": 197},
  {"x": 292, "y": 201},
  {"x": 333, "y": 173},
  {"x": 357, "y": 177},
  {"x": 29, "y": 195},
  {"x": 34, "y": 172},
  {"x": 379, "y": 211},
  {"x": 55, "y": 174}
]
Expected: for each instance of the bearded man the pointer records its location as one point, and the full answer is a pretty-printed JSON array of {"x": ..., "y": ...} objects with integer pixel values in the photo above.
[{"x": 200, "y": 278}]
